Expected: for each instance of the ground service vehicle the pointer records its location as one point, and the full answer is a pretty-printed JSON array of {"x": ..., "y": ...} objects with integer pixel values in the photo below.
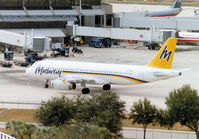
[{"x": 77, "y": 50}]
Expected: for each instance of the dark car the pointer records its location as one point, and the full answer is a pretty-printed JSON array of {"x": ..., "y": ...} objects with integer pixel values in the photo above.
[
  {"x": 107, "y": 42},
  {"x": 95, "y": 43}
]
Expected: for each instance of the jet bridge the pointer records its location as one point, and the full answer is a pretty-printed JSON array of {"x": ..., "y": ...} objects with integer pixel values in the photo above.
[
  {"x": 128, "y": 20},
  {"x": 25, "y": 41},
  {"x": 152, "y": 35}
]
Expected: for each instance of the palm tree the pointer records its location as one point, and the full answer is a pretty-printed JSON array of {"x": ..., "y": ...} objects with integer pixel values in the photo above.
[
  {"x": 29, "y": 129},
  {"x": 17, "y": 127}
]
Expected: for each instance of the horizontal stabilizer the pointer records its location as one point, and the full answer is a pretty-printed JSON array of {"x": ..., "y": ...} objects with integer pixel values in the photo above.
[{"x": 184, "y": 70}]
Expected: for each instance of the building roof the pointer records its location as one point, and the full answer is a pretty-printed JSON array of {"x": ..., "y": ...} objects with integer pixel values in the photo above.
[
  {"x": 37, "y": 12},
  {"x": 52, "y": 33},
  {"x": 44, "y": 4},
  {"x": 37, "y": 15}
]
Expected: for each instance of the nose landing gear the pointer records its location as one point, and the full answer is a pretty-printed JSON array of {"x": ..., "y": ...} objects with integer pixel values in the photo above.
[
  {"x": 74, "y": 86},
  {"x": 46, "y": 85}
]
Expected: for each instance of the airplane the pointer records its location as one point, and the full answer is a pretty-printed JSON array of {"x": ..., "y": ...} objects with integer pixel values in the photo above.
[
  {"x": 66, "y": 74},
  {"x": 188, "y": 38},
  {"x": 173, "y": 10}
]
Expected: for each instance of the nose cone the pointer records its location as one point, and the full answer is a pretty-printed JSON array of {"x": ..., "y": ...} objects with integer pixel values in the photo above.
[{"x": 28, "y": 71}]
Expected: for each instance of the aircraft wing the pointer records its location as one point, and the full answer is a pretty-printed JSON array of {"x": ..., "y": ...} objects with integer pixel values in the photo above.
[{"x": 83, "y": 79}]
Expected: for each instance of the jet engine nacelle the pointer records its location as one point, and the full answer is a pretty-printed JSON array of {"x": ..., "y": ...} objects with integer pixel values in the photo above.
[{"x": 62, "y": 84}]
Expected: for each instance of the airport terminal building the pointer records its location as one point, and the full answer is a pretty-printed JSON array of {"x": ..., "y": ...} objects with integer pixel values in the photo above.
[
  {"x": 49, "y": 13},
  {"x": 22, "y": 16}
]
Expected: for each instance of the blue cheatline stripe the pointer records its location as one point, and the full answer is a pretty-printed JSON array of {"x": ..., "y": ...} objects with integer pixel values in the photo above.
[{"x": 105, "y": 74}]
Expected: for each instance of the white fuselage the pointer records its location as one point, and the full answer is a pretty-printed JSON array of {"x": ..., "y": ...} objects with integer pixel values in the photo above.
[
  {"x": 164, "y": 12},
  {"x": 111, "y": 73}
]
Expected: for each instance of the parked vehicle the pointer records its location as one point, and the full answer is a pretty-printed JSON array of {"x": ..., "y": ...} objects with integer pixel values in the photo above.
[
  {"x": 77, "y": 50},
  {"x": 152, "y": 46},
  {"x": 95, "y": 43},
  {"x": 31, "y": 59},
  {"x": 21, "y": 63},
  {"x": 8, "y": 55},
  {"x": 62, "y": 51},
  {"x": 107, "y": 42},
  {"x": 6, "y": 64}
]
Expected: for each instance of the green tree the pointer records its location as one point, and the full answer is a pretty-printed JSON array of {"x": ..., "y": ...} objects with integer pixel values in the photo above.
[
  {"x": 85, "y": 109},
  {"x": 164, "y": 119},
  {"x": 103, "y": 110},
  {"x": 110, "y": 111},
  {"x": 29, "y": 129},
  {"x": 20, "y": 128},
  {"x": 55, "y": 112},
  {"x": 183, "y": 107},
  {"x": 46, "y": 133},
  {"x": 143, "y": 112},
  {"x": 75, "y": 131},
  {"x": 17, "y": 127}
]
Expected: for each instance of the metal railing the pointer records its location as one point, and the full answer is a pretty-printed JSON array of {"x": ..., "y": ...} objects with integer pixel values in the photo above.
[{"x": 5, "y": 136}]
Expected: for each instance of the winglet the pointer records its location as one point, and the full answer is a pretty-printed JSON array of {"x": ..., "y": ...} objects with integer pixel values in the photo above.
[{"x": 164, "y": 58}]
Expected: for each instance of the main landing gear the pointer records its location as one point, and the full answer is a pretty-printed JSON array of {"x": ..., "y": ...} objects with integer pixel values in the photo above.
[
  {"x": 107, "y": 87},
  {"x": 46, "y": 85},
  {"x": 85, "y": 91}
]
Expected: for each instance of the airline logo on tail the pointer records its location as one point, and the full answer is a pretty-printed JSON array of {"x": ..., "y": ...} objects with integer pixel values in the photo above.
[
  {"x": 165, "y": 54},
  {"x": 164, "y": 58}
]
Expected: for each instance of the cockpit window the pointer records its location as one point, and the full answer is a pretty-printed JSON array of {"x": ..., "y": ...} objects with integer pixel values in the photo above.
[{"x": 35, "y": 65}]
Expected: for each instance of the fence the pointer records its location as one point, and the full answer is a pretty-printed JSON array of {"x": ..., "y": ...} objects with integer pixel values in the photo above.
[
  {"x": 157, "y": 134},
  {"x": 5, "y": 136}
]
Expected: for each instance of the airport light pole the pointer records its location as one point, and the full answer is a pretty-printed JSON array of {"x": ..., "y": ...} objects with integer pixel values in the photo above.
[{"x": 80, "y": 12}]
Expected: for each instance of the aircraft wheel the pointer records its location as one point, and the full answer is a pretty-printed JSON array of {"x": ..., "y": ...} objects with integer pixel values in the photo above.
[
  {"x": 85, "y": 91},
  {"x": 46, "y": 85},
  {"x": 107, "y": 87},
  {"x": 74, "y": 86},
  {"x": 153, "y": 47}
]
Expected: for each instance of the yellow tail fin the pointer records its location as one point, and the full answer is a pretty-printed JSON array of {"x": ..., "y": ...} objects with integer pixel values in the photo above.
[{"x": 164, "y": 57}]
